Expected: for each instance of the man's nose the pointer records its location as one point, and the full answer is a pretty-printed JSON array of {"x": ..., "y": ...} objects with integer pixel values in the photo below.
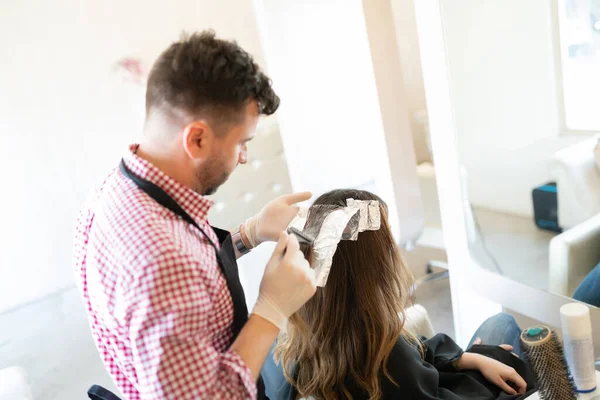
[{"x": 243, "y": 158}]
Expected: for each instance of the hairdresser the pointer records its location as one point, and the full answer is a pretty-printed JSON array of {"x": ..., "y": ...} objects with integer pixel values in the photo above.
[{"x": 160, "y": 285}]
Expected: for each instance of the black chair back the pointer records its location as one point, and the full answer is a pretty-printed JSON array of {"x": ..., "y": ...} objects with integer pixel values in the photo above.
[{"x": 97, "y": 392}]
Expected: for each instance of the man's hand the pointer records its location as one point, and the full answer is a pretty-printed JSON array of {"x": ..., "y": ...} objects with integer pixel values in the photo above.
[
  {"x": 287, "y": 284},
  {"x": 273, "y": 219}
]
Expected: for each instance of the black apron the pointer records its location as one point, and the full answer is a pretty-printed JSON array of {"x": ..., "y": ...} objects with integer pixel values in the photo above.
[{"x": 225, "y": 258}]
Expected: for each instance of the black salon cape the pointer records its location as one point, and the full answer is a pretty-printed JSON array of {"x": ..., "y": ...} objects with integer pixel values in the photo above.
[{"x": 434, "y": 377}]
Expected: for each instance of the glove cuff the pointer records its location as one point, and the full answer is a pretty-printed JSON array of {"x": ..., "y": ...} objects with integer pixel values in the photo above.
[
  {"x": 250, "y": 229},
  {"x": 266, "y": 309}
]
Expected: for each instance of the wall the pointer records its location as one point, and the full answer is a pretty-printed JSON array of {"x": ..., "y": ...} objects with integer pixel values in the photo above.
[
  {"x": 395, "y": 115},
  {"x": 403, "y": 12},
  {"x": 501, "y": 60},
  {"x": 312, "y": 72},
  {"x": 65, "y": 118},
  {"x": 344, "y": 121}
]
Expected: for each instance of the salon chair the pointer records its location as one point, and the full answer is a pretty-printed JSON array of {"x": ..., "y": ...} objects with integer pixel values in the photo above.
[
  {"x": 574, "y": 254},
  {"x": 97, "y": 392},
  {"x": 418, "y": 322},
  {"x": 577, "y": 177}
]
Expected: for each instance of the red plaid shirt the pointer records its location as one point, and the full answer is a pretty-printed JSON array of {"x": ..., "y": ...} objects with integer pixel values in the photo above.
[{"x": 158, "y": 305}]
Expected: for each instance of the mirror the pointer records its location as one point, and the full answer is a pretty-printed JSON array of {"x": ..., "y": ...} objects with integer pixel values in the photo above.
[{"x": 523, "y": 77}]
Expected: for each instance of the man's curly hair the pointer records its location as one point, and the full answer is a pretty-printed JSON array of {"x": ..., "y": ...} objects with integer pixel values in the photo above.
[{"x": 205, "y": 76}]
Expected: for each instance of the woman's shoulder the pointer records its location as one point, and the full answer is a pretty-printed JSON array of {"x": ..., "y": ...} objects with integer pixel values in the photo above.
[
  {"x": 426, "y": 355},
  {"x": 407, "y": 356},
  {"x": 419, "y": 346},
  {"x": 408, "y": 345}
]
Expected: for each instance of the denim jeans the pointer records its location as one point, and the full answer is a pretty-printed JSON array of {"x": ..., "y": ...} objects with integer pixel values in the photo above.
[
  {"x": 588, "y": 290},
  {"x": 499, "y": 329},
  {"x": 276, "y": 387}
]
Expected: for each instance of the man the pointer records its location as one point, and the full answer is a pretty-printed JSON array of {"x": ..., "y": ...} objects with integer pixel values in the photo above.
[{"x": 161, "y": 286}]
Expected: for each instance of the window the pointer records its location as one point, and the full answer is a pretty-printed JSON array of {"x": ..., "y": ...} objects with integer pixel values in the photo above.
[{"x": 579, "y": 22}]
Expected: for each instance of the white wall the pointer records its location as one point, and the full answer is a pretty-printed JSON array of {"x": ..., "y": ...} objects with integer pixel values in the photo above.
[
  {"x": 312, "y": 71},
  {"x": 408, "y": 46},
  {"x": 344, "y": 119},
  {"x": 394, "y": 104},
  {"x": 65, "y": 117},
  {"x": 403, "y": 12},
  {"x": 503, "y": 80}
]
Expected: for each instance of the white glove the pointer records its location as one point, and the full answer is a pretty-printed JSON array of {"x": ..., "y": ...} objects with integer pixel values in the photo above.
[
  {"x": 288, "y": 283},
  {"x": 273, "y": 219}
]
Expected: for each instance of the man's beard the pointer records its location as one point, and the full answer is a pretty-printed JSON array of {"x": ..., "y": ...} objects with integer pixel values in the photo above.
[
  {"x": 212, "y": 188},
  {"x": 211, "y": 178}
]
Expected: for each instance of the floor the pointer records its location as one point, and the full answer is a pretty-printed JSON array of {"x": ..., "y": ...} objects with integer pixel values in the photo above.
[
  {"x": 435, "y": 295},
  {"x": 51, "y": 340},
  {"x": 515, "y": 246}
]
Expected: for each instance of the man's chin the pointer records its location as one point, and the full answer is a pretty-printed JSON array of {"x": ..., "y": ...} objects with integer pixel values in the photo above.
[
  {"x": 210, "y": 191},
  {"x": 213, "y": 188}
]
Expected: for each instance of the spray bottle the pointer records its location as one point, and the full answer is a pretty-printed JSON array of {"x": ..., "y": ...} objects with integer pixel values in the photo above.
[{"x": 578, "y": 345}]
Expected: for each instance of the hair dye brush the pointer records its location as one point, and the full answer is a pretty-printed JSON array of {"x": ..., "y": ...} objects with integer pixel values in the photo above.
[
  {"x": 304, "y": 240},
  {"x": 547, "y": 360}
]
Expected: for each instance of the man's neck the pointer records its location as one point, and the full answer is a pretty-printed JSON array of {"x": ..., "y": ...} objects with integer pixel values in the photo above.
[
  {"x": 167, "y": 160},
  {"x": 161, "y": 146}
]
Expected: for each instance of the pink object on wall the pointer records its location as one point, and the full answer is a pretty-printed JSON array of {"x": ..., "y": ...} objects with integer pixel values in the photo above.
[{"x": 131, "y": 69}]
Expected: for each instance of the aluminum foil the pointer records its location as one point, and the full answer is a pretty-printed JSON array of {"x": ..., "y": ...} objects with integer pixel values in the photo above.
[{"x": 329, "y": 224}]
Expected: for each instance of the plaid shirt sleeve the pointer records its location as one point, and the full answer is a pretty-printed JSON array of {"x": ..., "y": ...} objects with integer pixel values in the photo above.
[{"x": 170, "y": 310}]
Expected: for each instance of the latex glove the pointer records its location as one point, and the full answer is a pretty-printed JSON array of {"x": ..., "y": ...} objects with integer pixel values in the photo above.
[
  {"x": 273, "y": 219},
  {"x": 288, "y": 283}
]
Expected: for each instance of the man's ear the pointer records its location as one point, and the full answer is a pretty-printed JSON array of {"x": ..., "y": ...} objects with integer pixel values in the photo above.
[{"x": 198, "y": 138}]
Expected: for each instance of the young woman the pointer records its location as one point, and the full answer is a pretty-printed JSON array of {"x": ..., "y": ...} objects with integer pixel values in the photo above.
[{"x": 349, "y": 341}]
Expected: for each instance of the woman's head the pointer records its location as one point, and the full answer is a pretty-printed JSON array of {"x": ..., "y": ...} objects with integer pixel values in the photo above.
[{"x": 351, "y": 324}]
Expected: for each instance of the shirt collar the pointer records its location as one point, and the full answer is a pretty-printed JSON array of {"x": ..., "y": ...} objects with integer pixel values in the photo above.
[{"x": 196, "y": 205}]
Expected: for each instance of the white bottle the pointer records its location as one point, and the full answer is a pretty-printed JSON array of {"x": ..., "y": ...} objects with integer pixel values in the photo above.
[{"x": 579, "y": 346}]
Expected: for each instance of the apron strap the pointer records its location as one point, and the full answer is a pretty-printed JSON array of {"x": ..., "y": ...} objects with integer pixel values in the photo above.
[
  {"x": 225, "y": 258},
  {"x": 236, "y": 290},
  {"x": 162, "y": 198}
]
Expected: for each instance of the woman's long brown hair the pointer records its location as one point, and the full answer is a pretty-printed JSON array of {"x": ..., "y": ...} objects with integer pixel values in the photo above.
[{"x": 348, "y": 329}]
